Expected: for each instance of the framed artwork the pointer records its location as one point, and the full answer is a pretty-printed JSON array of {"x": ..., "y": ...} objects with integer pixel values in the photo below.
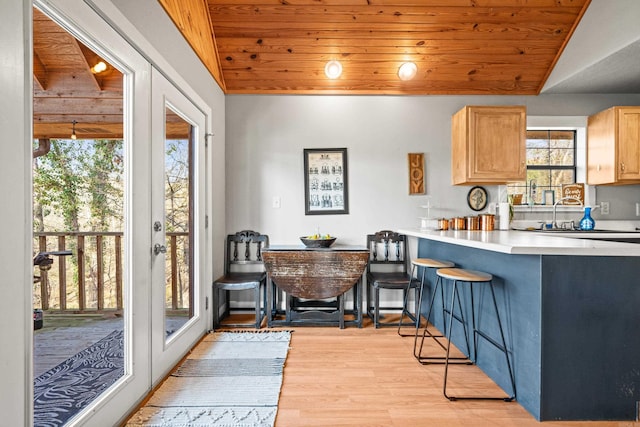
[
  {"x": 549, "y": 197},
  {"x": 477, "y": 198},
  {"x": 573, "y": 194},
  {"x": 326, "y": 190}
]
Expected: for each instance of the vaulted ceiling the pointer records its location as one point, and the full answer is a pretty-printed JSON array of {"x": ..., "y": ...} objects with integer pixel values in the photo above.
[{"x": 459, "y": 46}]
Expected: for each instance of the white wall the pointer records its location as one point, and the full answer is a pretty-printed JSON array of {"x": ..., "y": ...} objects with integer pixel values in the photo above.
[{"x": 266, "y": 136}]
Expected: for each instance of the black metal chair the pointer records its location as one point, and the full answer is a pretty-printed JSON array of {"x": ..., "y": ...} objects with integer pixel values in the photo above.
[
  {"x": 387, "y": 269},
  {"x": 241, "y": 273}
]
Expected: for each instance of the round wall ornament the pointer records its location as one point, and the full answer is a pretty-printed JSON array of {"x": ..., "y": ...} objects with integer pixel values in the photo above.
[{"x": 477, "y": 198}]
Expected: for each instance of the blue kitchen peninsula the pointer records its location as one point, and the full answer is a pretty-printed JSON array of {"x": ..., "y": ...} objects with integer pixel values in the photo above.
[{"x": 571, "y": 312}]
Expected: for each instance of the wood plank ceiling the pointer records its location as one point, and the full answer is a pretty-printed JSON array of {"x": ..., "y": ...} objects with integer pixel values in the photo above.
[
  {"x": 281, "y": 47},
  {"x": 460, "y": 46},
  {"x": 65, "y": 89}
]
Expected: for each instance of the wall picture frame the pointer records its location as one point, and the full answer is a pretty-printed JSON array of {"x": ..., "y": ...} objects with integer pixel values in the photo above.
[
  {"x": 548, "y": 197},
  {"x": 326, "y": 187}
]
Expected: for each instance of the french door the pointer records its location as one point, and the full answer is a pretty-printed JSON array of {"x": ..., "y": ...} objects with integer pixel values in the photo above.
[{"x": 178, "y": 213}]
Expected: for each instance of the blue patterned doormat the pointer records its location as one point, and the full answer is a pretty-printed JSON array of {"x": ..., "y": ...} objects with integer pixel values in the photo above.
[
  {"x": 63, "y": 391},
  {"x": 230, "y": 379}
]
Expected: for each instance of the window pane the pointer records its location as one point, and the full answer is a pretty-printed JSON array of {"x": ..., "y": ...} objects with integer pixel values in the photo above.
[
  {"x": 541, "y": 177},
  {"x": 537, "y": 143},
  {"x": 562, "y": 139},
  {"x": 537, "y": 156},
  {"x": 559, "y": 177},
  {"x": 562, "y": 156},
  {"x": 537, "y": 138}
]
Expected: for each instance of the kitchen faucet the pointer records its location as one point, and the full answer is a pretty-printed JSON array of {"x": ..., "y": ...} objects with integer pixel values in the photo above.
[{"x": 554, "y": 223}]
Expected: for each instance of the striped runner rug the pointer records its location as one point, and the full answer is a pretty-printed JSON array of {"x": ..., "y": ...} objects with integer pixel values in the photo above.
[{"x": 229, "y": 379}]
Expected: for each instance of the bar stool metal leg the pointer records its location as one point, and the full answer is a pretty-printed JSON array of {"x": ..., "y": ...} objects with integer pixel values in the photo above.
[
  {"x": 471, "y": 277},
  {"x": 426, "y": 264},
  {"x": 405, "y": 309},
  {"x": 428, "y": 360}
]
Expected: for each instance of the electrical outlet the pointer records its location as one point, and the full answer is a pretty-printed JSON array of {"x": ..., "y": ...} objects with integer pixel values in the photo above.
[{"x": 604, "y": 208}]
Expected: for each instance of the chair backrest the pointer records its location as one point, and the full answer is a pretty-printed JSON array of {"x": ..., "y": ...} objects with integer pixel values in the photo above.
[
  {"x": 244, "y": 248},
  {"x": 387, "y": 248}
]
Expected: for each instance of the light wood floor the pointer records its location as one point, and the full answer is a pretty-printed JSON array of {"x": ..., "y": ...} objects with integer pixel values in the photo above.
[{"x": 368, "y": 377}]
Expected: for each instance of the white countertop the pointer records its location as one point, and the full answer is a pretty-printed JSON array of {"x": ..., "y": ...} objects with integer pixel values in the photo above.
[{"x": 528, "y": 242}]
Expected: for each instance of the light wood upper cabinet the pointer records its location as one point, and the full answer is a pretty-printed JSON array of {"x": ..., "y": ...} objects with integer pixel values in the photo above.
[
  {"x": 613, "y": 147},
  {"x": 488, "y": 145}
]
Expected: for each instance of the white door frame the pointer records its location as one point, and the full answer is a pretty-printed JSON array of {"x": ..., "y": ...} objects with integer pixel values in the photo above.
[
  {"x": 16, "y": 262},
  {"x": 165, "y": 353},
  {"x": 81, "y": 21},
  {"x": 100, "y": 24}
]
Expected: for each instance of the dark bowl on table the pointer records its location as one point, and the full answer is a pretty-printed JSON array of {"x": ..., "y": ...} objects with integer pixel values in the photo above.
[{"x": 317, "y": 243}]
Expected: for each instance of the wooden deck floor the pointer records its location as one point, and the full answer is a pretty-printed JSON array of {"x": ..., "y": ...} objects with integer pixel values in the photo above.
[{"x": 63, "y": 336}]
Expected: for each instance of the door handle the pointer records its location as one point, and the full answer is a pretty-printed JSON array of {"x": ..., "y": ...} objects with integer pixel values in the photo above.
[{"x": 158, "y": 249}]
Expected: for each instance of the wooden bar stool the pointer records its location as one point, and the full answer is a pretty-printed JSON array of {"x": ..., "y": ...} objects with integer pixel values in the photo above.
[
  {"x": 416, "y": 263},
  {"x": 461, "y": 276}
]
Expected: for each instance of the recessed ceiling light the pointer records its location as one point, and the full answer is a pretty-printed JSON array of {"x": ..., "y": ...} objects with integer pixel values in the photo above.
[
  {"x": 407, "y": 71},
  {"x": 333, "y": 69}
]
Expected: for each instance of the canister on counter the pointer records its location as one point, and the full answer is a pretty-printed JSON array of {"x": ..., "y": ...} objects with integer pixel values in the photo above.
[
  {"x": 443, "y": 224},
  {"x": 473, "y": 223},
  {"x": 457, "y": 223},
  {"x": 487, "y": 222}
]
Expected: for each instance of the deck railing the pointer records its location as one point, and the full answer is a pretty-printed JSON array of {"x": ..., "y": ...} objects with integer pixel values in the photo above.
[{"x": 90, "y": 280}]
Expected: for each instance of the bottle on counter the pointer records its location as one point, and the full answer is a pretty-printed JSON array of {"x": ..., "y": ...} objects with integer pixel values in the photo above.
[{"x": 587, "y": 223}]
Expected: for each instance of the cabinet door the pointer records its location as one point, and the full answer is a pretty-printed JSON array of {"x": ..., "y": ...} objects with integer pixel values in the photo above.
[
  {"x": 497, "y": 144},
  {"x": 629, "y": 144}
]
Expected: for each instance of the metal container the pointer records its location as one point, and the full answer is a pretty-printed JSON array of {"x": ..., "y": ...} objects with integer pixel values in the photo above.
[
  {"x": 473, "y": 223},
  {"x": 457, "y": 223},
  {"x": 443, "y": 224},
  {"x": 487, "y": 222}
]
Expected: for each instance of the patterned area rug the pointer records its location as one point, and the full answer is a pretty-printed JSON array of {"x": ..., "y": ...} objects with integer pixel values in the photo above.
[
  {"x": 65, "y": 390},
  {"x": 231, "y": 379}
]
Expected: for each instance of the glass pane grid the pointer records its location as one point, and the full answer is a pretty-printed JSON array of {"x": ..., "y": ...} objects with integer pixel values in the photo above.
[{"x": 551, "y": 162}]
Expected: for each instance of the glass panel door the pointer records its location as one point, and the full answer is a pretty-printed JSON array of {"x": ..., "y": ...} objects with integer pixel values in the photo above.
[
  {"x": 178, "y": 182},
  {"x": 178, "y": 162},
  {"x": 79, "y": 183}
]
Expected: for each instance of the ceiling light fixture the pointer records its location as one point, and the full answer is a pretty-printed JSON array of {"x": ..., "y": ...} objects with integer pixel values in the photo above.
[
  {"x": 333, "y": 69},
  {"x": 73, "y": 130},
  {"x": 407, "y": 71},
  {"x": 99, "y": 67}
]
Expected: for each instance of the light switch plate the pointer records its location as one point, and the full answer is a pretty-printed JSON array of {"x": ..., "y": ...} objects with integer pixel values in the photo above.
[{"x": 604, "y": 208}]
